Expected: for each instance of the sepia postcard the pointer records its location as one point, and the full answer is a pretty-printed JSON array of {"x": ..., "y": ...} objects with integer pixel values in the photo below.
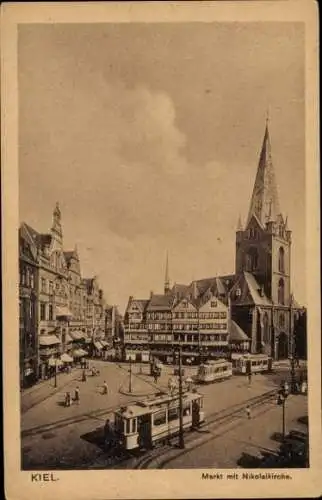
[{"x": 161, "y": 272}]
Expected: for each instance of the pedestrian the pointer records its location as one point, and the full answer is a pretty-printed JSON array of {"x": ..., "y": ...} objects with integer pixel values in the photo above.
[
  {"x": 249, "y": 378},
  {"x": 84, "y": 376},
  {"x": 77, "y": 395},
  {"x": 105, "y": 388},
  {"x": 66, "y": 399},
  {"x": 248, "y": 412},
  {"x": 155, "y": 377}
]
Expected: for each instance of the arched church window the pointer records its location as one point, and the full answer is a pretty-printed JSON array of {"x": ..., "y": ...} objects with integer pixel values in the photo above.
[
  {"x": 281, "y": 298},
  {"x": 281, "y": 321},
  {"x": 266, "y": 329},
  {"x": 252, "y": 260},
  {"x": 281, "y": 260}
]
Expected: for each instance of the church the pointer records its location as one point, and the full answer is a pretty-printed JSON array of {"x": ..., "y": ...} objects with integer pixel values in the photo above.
[{"x": 259, "y": 312}]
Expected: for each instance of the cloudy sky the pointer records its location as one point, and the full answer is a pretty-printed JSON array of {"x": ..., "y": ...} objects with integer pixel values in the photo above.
[{"x": 149, "y": 137}]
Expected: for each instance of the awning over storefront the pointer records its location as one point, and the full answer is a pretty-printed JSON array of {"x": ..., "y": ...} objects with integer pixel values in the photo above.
[
  {"x": 98, "y": 345},
  {"x": 54, "y": 362},
  {"x": 63, "y": 312},
  {"x": 66, "y": 358},
  {"x": 88, "y": 341},
  {"x": 77, "y": 335},
  {"x": 104, "y": 343},
  {"x": 47, "y": 340},
  {"x": 28, "y": 371},
  {"x": 79, "y": 353}
]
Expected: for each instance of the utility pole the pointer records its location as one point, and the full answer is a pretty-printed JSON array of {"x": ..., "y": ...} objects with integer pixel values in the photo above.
[
  {"x": 130, "y": 381},
  {"x": 181, "y": 440}
]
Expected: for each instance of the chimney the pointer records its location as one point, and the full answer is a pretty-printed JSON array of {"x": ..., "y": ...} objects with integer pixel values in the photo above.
[{"x": 151, "y": 294}]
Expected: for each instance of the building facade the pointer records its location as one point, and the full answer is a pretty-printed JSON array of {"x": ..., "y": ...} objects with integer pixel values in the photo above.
[
  {"x": 28, "y": 291},
  {"x": 58, "y": 310},
  {"x": 250, "y": 310}
]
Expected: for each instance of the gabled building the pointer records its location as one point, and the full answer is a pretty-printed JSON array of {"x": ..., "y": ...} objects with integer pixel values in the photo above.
[{"x": 57, "y": 307}]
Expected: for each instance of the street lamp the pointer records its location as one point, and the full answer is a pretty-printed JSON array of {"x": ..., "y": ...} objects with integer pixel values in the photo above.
[{"x": 281, "y": 400}]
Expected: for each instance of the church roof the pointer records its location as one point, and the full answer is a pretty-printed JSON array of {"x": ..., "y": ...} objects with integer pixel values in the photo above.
[
  {"x": 265, "y": 203},
  {"x": 236, "y": 333},
  {"x": 250, "y": 291}
]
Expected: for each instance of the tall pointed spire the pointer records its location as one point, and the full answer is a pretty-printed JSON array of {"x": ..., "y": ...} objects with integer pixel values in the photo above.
[
  {"x": 264, "y": 203},
  {"x": 167, "y": 279}
]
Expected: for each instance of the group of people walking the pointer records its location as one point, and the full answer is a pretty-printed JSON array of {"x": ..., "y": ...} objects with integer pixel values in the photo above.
[{"x": 68, "y": 398}]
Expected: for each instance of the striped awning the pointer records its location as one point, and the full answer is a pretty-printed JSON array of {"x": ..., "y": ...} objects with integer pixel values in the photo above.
[
  {"x": 77, "y": 335},
  {"x": 79, "y": 353},
  {"x": 47, "y": 340}
]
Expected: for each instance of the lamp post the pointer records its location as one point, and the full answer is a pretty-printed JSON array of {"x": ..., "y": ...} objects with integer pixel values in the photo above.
[{"x": 281, "y": 400}]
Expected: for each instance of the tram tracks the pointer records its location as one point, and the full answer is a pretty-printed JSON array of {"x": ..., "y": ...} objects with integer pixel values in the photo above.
[{"x": 162, "y": 456}]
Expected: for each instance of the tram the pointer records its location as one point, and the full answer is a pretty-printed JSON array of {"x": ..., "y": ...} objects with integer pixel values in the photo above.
[
  {"x": 144, "y": 423},
  {"x": 212, "y": 371},
  {"x": 250, "y": 363}
]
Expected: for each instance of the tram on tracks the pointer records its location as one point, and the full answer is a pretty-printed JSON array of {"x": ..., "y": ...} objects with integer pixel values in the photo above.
[
  {"x": 142, "y": 424},
  {"x": 214, "y": 371},
  {"x": 250, "y": 363}
]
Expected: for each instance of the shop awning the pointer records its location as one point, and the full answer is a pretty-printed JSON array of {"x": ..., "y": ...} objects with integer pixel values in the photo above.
[
  {"x": 28, "y": 371},
  {"x": 62, "y": 311},
  {"x": 79, "y": 353},
  {"x": 98, "y": 345},
  {"x": 47, "y": 340},
  {"x": 77, "y": 335},
  {"x": 68, "y": 339},
  {"x": 104, "y": 343},
  {"x": 54, "y": 362},
  {"x": 66, "y": 358}
]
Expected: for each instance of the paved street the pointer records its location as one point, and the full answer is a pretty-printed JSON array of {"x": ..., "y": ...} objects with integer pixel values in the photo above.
[
  {"x": 54, "y": 436},
  {"x": 239, "y": 443}
]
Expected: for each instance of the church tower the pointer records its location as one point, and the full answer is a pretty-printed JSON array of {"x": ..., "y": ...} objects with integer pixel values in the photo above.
[{"x": 263, "y": 246}]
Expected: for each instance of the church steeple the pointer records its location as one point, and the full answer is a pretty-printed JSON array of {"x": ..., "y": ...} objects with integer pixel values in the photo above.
[
  {"x": 56, "y": 227},
  {"x": 167, "y": 279},
  {"x": 265, "y": 203}
]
